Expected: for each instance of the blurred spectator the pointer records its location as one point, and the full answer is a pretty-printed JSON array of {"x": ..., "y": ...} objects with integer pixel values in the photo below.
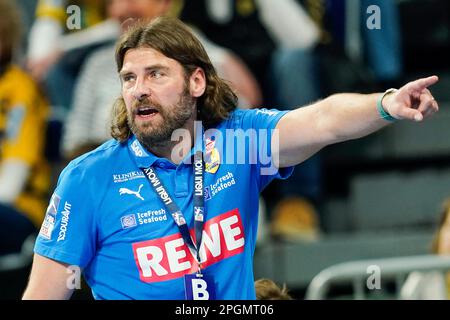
[
  {"x": 27, "y": 9},
  {"x": 276, "y": 39},
  {"x": 266, "y": 289},
  {"x": 87, "y": 125},
  {"x": 350, "y": 56},
  {"x": 360, "y": 44},
  {"x": 382, "y": 46},
  {"x": 273, "y": 38},
  {"x": 24, "y": 174},
  {"x": 69, "y": 29},
  {"x": 432, "y": 285},
  {"x": 295, "y": 218}
]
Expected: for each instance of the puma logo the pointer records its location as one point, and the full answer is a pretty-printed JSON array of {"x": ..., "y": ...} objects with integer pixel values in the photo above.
[{"x": 123, "y": 191}]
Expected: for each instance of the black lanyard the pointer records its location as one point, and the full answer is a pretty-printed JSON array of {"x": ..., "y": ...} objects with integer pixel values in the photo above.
[{"x": 175, "y": 211}]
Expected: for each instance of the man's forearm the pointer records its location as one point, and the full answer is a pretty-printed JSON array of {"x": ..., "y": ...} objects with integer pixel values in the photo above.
[
  {"x": 337, "y": 118},
  {"x": 349, "y": 116}
]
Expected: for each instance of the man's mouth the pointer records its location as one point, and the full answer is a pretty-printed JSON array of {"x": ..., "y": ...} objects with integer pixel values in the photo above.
[{"x": 146, "y": 112}]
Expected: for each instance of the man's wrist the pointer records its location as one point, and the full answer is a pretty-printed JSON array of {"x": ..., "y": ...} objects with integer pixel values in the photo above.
[{"x": 384, "y": 114}]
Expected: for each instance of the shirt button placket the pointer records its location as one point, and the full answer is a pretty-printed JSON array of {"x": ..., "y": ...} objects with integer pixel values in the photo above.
[{"x": 181, "y": 181}]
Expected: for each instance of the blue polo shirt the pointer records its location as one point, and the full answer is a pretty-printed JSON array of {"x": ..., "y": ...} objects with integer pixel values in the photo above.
[{"x": 105, "y": 217}]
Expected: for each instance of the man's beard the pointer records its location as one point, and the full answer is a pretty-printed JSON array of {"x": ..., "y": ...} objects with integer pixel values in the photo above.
[{"x": 152, "y": 134}]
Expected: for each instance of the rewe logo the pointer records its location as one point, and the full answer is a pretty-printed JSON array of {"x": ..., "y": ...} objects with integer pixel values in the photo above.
[
  {"x": 169, "y": 257},
  {"x": 123, "y": 191}
]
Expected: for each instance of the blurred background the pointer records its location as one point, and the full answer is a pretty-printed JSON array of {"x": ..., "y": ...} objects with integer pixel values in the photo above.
[{"x": 375, "y": 200}]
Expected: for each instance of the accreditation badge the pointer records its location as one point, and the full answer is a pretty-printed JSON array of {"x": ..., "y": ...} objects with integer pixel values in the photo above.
[{"x": 199, "y": 287}]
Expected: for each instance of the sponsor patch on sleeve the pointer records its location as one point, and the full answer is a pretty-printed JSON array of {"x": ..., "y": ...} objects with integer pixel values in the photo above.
[{"x": 50, "y": 217}]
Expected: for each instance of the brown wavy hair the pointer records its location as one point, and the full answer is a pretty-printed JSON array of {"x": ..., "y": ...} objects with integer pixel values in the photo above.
[
  {"x": 266, "y": 289},
  {"x": 175, "y": 40}
]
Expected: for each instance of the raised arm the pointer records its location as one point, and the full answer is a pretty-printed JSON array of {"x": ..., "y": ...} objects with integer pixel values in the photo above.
[
  {"x": 347, "y": 116},
  {"x": 48, "y": 280}
]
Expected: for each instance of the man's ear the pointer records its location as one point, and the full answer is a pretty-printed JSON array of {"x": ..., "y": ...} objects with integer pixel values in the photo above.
[{"x": 197, "y": 83}]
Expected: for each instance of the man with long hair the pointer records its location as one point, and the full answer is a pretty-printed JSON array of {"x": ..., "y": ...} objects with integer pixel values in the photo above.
[
  {"x": 86, "y": 125},
  {"x": 155, "y": 213}
]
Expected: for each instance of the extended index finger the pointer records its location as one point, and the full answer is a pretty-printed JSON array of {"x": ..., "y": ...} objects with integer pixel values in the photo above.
[{"x": 420, "y": 84}]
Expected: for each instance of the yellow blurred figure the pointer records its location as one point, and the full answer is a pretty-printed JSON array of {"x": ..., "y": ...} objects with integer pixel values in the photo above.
[{"x": 24, "y": 172}]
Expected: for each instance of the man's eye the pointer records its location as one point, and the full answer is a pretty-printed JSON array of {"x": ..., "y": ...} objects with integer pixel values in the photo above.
[
  {"x": 156, "y": 74},
  {"x": 127, "y": 78}
]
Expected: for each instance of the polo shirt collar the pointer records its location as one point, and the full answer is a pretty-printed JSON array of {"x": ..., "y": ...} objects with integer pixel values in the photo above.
[{"x": 143, "y": 158}]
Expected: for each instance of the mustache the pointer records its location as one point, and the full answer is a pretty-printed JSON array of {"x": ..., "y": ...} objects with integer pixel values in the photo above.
[{"x": 145, "y": 102}]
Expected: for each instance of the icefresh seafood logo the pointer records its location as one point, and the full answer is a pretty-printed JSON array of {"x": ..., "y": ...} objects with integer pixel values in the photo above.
[
  {"x": 207, "y": 194},
  {"x": 221, "y": 183},
  {"x": 128, "y": 221}
]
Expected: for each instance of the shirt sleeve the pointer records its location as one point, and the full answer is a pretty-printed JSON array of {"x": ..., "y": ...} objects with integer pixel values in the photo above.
[
  {"x": 68, "y": 233},
  {"x": 262, "y": 123}
]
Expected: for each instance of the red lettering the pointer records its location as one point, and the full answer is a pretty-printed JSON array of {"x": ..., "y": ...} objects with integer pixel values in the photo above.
[{"x": 169, "y": 257}]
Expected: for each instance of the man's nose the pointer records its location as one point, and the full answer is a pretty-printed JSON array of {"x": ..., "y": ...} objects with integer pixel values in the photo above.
[{"x": 141, "y": 90}]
